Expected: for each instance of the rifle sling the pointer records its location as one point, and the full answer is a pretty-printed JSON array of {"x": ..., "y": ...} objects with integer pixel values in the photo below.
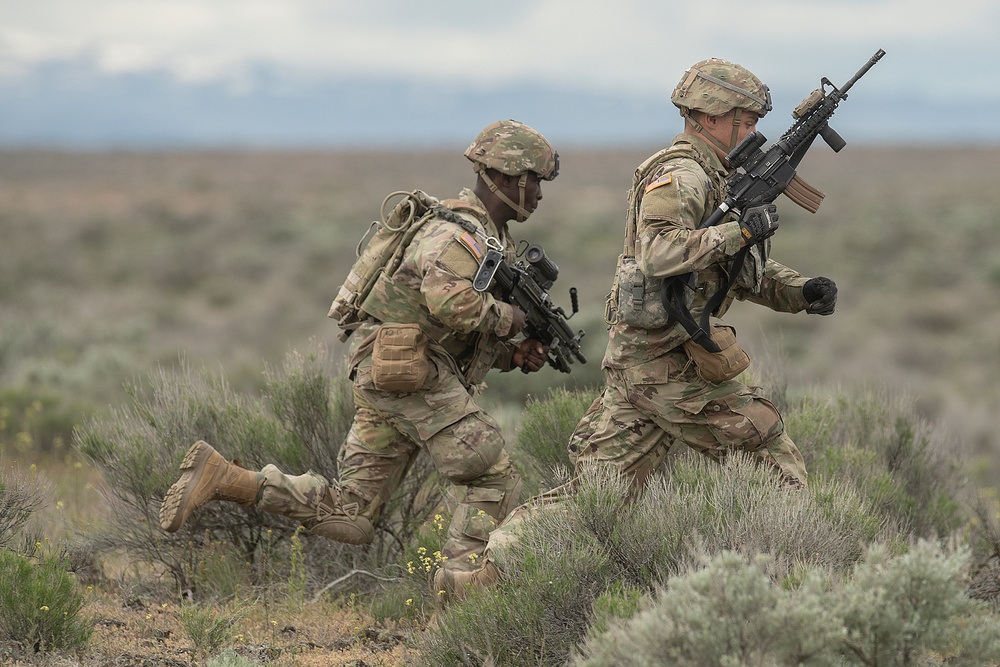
[{"x": 673, "y": 300}]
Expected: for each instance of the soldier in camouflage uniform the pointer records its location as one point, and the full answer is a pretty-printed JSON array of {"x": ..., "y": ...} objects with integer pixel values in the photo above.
[
  {"x": 654, "y": 395},
  {"x": 467, "y": 333}
]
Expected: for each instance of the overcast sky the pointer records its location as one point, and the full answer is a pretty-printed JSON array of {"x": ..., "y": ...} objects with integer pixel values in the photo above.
[{"x": 937, "y": 52}]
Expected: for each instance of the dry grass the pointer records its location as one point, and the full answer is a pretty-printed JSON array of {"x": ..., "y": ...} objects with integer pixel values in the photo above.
[
  {"x": 324, "y": 634},
  {"x": 113, "y": 263}
]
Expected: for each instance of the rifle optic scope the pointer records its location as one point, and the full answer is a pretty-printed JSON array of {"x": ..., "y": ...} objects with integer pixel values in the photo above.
[{"x": 545, "y": 266}]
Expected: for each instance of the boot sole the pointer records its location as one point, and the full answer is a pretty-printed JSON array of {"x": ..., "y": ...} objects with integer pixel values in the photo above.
[{"x": 171, "y": 517}]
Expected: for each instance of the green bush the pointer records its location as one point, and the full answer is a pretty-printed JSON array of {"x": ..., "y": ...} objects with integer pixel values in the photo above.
[
  {"x": 880, "y": 445},
  {"x": 20, "y": 497},
  {"x": 208, "y": 628},
  {"x": 40, "y": 605},
  {"x": 571, "y": 553},
  {"x": 297, "y": 423},
  {"x": 907, "y": 610},
  {"x": 230, "y": 658},
  {"x": 544, "y": 431}
]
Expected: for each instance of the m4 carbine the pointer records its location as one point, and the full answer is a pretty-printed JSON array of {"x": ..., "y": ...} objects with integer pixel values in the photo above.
[
  {"x": 526, "y": 285},
  {"x": 758, "y": 178}
]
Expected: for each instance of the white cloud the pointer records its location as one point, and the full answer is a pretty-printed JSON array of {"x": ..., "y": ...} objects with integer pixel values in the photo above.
[{"x": 625, "y": 45}]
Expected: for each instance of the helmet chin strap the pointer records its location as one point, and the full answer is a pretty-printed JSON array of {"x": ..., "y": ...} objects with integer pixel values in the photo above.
[
  {"x": 700, "y": 129},
  {"x": 521, "y": 212}
]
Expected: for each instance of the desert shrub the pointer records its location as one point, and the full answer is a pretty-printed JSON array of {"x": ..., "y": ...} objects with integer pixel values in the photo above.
[
  {"x": 40, "y": 605},
  {"x": 20, "y": 497},
  {"x": 906, "y": 610},
  {"x": 983, "y": 535},
  {"x": 727, "y": 613},
  {"x": 297, "y": 423},
  {"x": 315, "y": 406},
  {"x": 879, "y": 444},
  {"x": 230, "y": 658},
  {"x": 544, "y": 430},
  {"x": 895, "y": 610},
  {"x": 208, "y": 627},
  {"x": 569, "y": 552}
]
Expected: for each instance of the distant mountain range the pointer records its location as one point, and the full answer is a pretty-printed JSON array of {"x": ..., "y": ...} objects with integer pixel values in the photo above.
[{"x": 76, "y": 107}]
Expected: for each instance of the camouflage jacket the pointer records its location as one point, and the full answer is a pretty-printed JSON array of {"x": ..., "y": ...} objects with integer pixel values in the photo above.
[
  {"x": 673, "y": 200},
  {"x": 433, "y": 288}
]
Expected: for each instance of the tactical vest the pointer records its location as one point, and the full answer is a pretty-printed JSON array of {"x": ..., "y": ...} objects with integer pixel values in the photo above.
[
  {"x": 390, "y": 301},
  {"x": 469, "y": 356},
  {"x": 635, "y": 299}
]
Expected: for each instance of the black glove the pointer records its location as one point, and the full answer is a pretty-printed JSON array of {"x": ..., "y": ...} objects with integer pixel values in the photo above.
[
  {"x": 758, "y": 222},
  {"x": 821, "y": 293}
]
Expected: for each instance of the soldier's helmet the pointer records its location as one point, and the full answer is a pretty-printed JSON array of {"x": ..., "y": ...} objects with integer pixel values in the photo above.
[
  {"x": 512, "y": 148},
  {"x": 715, "y": 87}
]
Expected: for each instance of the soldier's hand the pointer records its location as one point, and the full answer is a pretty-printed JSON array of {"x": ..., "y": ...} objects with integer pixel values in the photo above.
[
  {"x": 821, "y": 293},
  {"x": 530, "y": 355},
  {"x": 517, "y": 321},
  {"x": 758, "y": 223}
]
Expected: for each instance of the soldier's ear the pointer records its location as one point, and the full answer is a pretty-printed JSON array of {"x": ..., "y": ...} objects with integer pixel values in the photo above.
[{"x": 503, "y": 180}]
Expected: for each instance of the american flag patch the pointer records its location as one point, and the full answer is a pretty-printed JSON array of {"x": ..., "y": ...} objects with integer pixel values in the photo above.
[
  {"x": 470, "y": 242},
  {"x": 662, "y": 180}
]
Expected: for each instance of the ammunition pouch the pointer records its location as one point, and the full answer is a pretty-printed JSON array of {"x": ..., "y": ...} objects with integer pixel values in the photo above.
[
  {"x": 716, "y": 367},
  {"x": 634, "y": 299},
  {"x": 399, "y": 358}
]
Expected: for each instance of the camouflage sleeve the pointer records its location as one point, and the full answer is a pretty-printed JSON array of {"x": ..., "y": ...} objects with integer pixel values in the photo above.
[
  {"x": 449, "y": 266},
  {"x": 667, "y": 239},
  {"x": 505, "y": 360},
  {"x": 780, "y": 290}
]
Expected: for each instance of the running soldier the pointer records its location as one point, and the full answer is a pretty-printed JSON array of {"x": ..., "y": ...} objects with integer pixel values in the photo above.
[{"x": 449, "y": 336}]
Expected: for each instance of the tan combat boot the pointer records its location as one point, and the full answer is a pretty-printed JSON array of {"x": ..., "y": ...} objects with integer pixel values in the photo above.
[
  {"x": 207, "y": 476},
  {"x": 452, "y": 585}
]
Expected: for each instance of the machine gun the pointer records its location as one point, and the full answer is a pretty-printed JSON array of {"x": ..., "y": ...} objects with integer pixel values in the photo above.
[
  {"x": 758, "y": 178},
  {"x": 526, "y": 285}
]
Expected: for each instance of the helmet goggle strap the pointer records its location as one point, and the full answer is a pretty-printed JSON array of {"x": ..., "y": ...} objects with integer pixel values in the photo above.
[{"x": 521, "y": 212}]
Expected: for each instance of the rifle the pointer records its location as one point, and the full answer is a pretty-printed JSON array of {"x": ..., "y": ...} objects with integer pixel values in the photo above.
[
  {"x": 758, "y": 178},
  {"x": 526, "y": 285}
]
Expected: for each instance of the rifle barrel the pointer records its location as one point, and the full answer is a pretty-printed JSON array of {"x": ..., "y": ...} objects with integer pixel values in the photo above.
[{"x": 861, "y": 72}]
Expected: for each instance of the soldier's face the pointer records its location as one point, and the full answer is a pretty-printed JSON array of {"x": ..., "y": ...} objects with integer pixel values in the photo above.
[
  {"x": 532, "y": 192},
  {"x": 721, "y": 127},
  {"x": 510, "y": 185},
  {"x": 748, "y": 124}
]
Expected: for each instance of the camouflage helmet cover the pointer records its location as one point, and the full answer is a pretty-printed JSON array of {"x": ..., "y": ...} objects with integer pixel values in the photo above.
[
  {"x": 512, "y": 148},
  {"x": 715, "y": 87}
]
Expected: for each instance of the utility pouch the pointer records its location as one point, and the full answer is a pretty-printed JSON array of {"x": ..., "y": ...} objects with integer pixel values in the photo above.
[
  {"x": 399, "y": 358},
  {"x": 716, "y": 367},
  {"x": 635, "y": 299}
]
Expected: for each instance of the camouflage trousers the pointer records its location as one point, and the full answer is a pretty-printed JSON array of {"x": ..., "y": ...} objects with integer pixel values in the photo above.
[
  {"x": 389, "y": 431},
  {"x": 645, "y": 409}
]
